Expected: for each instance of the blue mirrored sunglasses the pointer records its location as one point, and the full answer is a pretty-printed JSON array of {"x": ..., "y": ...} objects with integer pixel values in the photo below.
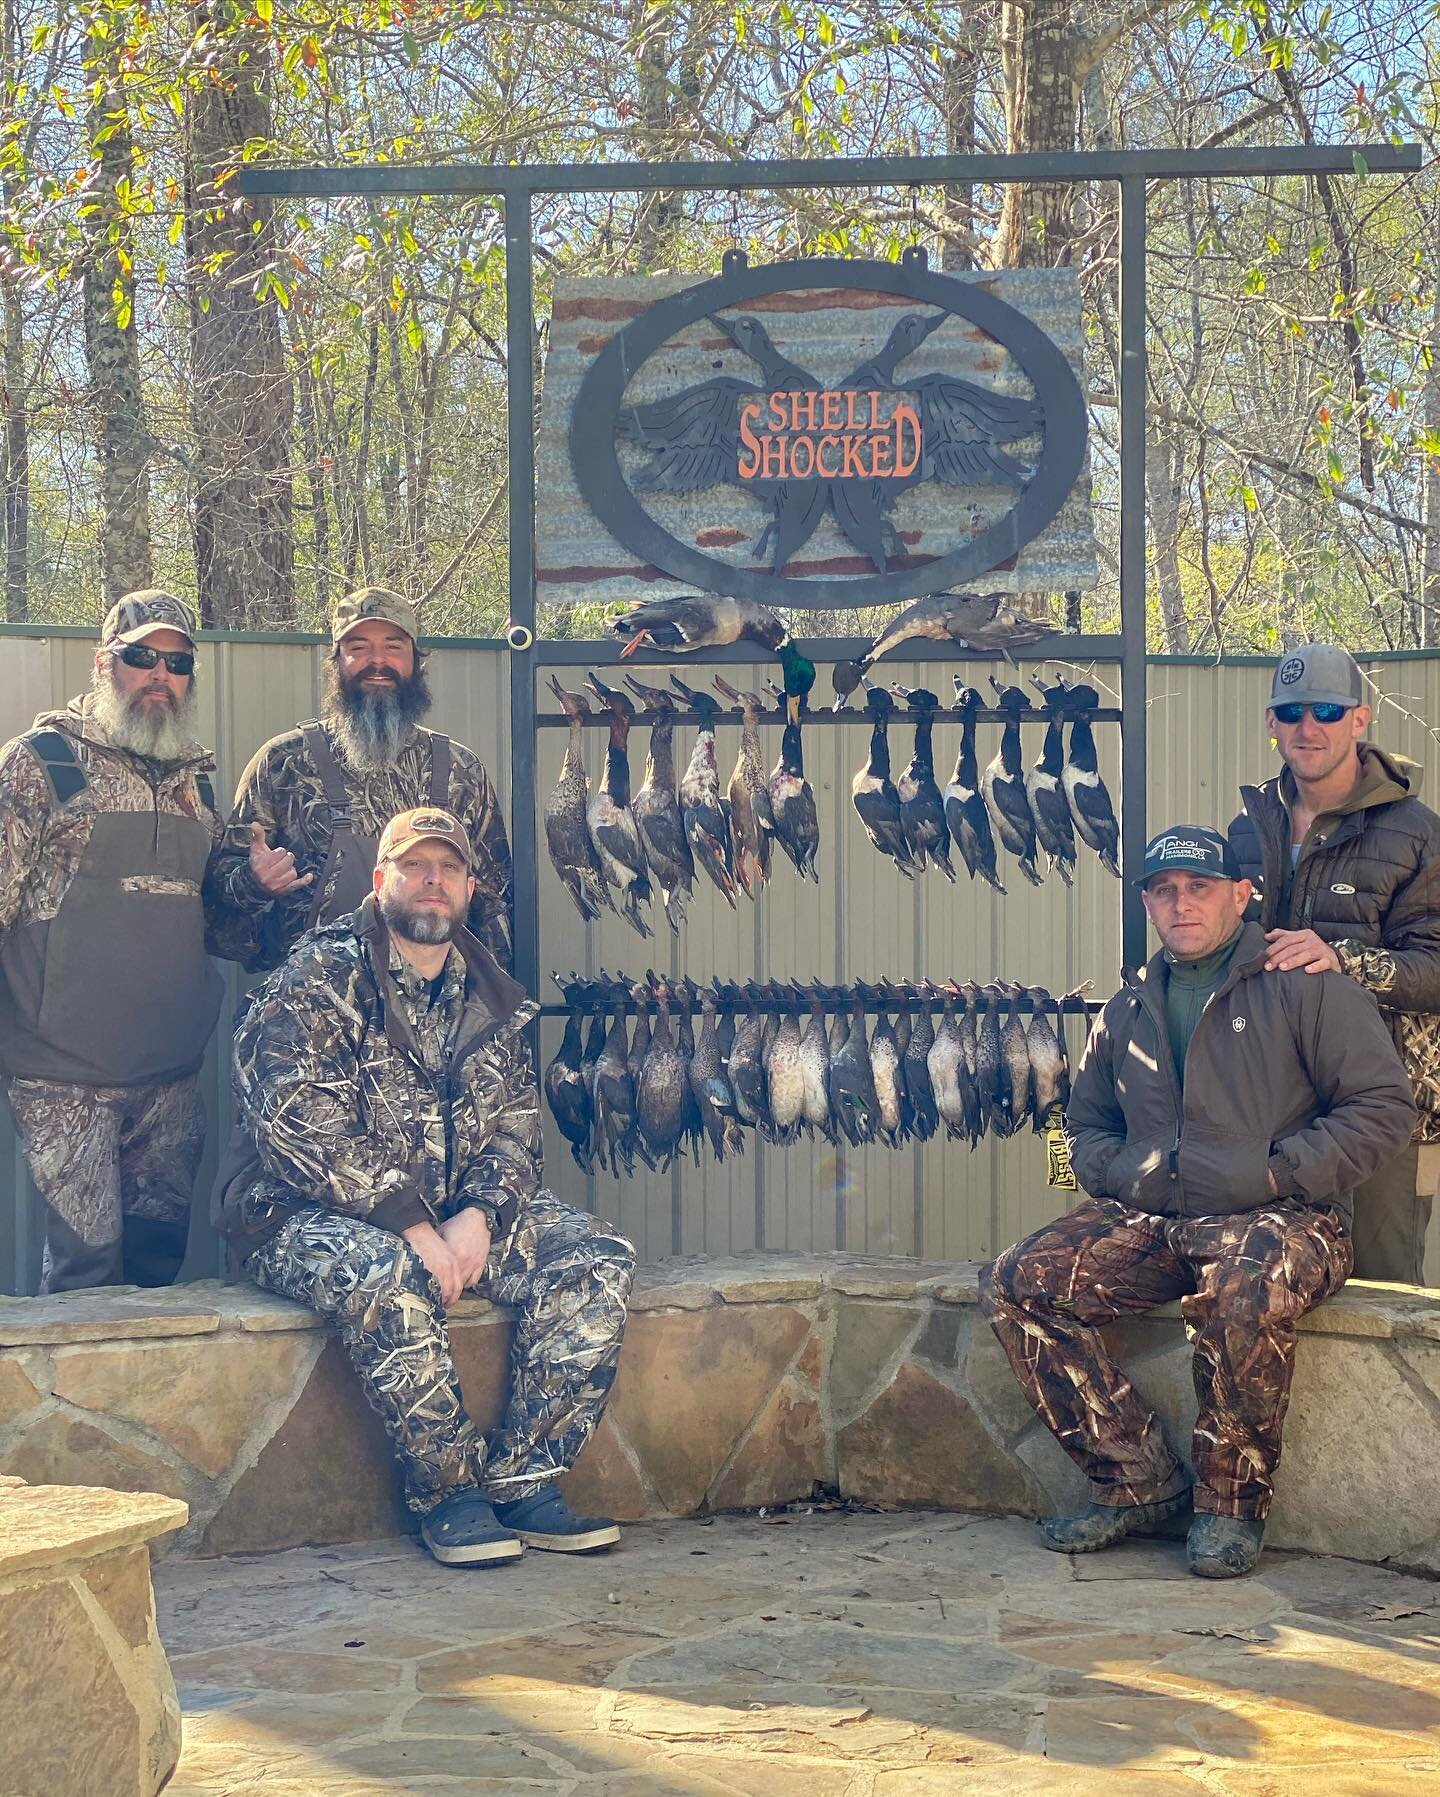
[{"x": 1325, "y": 713}]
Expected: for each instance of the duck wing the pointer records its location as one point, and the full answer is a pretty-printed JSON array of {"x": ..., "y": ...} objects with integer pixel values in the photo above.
[{"x": 692, "y": 437}]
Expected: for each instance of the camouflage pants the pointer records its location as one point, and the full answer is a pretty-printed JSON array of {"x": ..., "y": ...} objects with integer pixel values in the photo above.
[
  {"x": 1242, "y": 1281},
  {"x": 566, "y": 1275},
  {"x": 116, "y": 1168}
]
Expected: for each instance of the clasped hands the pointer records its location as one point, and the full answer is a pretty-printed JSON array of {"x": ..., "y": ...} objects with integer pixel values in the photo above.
[{"x": 455, "y": 1251}]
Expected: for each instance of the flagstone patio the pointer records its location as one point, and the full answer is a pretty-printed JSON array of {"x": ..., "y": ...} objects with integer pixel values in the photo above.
[{"x": 830, "y": 1654}]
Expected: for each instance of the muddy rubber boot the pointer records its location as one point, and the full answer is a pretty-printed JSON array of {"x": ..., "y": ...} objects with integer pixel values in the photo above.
[
  {"x": 1224, "y": 1547},
  {"x": 1102, "y": 1525}
]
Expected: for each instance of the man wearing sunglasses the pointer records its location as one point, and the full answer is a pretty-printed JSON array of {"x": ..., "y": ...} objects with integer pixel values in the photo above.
[
  {"x": 107, "y": 994},
  {"x": 299, "y": 849},
  {"x": 1346, "y": 861}
]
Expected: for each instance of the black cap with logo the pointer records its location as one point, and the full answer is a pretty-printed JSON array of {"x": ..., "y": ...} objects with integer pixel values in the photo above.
[{"x": 1191, "y": 849}]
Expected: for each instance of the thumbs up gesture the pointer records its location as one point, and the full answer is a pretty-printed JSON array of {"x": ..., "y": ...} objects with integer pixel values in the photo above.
[{"x": 273, "y": 869}]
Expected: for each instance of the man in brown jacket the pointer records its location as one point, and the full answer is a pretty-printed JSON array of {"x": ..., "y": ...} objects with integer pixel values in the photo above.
[
  {"x": 1346, "y": 862},
  {"x": 1221, "y": 1117}
]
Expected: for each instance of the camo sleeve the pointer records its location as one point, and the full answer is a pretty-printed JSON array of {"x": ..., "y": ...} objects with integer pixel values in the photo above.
[
  {"x": 473, "y": 799},
  {"x": 24, "y": 807},
  {"x": 504, "y": 1172},
  {"x": 297, "y": 1080}
]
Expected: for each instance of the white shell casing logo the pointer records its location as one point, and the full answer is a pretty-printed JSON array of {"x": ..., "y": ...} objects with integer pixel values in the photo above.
[
  {"x": 1342, "y": 888},
  {"x": 1237, "y": 1024}
]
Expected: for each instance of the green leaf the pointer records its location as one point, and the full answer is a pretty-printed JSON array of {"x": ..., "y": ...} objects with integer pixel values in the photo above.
[
  {"x": 264, "y": 11},
  {"x": 1361, "y": 166},
  {"x": 414, "y": 336}
]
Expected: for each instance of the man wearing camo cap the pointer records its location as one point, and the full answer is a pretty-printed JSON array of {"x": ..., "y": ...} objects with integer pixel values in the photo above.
[
  {"x": 386, "y": 1093},
  {"x": 107, "y": 994},
  {"x": 299, "y": 848},
  {"x": 1346, "y": 861}
]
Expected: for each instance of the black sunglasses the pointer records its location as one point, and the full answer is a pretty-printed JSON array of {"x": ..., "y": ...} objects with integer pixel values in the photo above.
[
  {"x": 141, "y": 655},
  {"x": 1326, "y": 712}
]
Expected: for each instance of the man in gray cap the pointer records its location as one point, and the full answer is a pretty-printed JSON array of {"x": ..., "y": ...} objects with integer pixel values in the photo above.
[
  {"x": 299, "y": 849},
  {"x": 1346, "y": 862},
  {"x": 107, "y": 995},
  {"x": 1222, "y": 1115}
]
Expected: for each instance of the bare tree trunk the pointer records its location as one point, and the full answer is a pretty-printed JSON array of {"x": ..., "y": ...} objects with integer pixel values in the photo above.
[
  {"x": 960, "y": 92},
  {"x": 659, "y": 211},
  {"x": 1038, "y": 55},
  {"x": 17, "y": 461},
  {"x": 241, "y": 398},
  {"x": 1428, "y": 633},
  {"x": 314, "y": 468},
  {"x": 1162, "y": 487},
  {"x": 112, "y": 345}
]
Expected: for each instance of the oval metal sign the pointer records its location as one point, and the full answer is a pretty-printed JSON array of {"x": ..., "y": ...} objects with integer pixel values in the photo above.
[{"x": 801, "y": 446}]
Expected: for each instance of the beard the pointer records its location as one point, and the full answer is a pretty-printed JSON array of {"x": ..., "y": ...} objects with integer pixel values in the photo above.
[
  {"x": 426, "y": 927},
  {"x": 373, "y": 725},
  {"x": 158, "y": 732}
]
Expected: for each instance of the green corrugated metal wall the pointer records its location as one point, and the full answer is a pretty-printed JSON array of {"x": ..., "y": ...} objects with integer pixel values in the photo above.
[{"x": 863, "y": 921}]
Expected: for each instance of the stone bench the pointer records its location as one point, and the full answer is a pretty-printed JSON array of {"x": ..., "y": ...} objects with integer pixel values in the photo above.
[
  {"x": 744, "y": 1382},
  {"x": 87, "y": 1703}
]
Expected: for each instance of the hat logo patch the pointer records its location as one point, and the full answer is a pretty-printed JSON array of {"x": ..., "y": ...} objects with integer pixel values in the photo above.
[
  {"x": 1237, "y": 1024},
  {"x": 1291, "y": 670},
  {"x": 432, "y": 820},
  {"x": 1172, "y": 846}
]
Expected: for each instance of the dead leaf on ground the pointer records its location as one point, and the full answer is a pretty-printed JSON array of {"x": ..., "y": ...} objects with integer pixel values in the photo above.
[
  {"x": 1221, "y": 1633},
  {"x": 1393, "y": 1611}
]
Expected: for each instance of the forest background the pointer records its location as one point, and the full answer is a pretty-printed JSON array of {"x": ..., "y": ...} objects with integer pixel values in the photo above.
[{"x": 265, "y": 405}]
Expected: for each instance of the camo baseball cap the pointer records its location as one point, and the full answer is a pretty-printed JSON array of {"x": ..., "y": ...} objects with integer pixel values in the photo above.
[
  {"x": 1317, "y": 674},
  {"x": 1191, "y": 849},
  {"x": 144, "y": 613},
  {"x": 373, "y": 602},
  {"x": 427, "y": 824}
]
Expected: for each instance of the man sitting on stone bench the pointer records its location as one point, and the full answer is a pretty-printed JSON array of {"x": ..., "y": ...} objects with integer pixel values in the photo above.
[
  {"x": 1221, "y": 1117},
  {"x": 389, "y": 1109}
]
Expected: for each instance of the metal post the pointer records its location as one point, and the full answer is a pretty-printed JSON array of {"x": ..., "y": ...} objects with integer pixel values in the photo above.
[
  {"x": 520, "y": 430},
  {"x": 1132, "y": 559}
]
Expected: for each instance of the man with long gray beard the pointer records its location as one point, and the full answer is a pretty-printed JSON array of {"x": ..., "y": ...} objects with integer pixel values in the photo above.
[
  {"x": 385, "y": 1090},
  {"x": 299, "y": 849},
  {"x": 107, "y": 994}
]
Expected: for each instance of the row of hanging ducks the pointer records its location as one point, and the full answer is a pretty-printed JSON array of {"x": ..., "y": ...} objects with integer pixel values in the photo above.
[
  {"x": 765, "y": 1060},
  {"x": 1049, "y": 805},
  {"x": 610, "y": 842}
]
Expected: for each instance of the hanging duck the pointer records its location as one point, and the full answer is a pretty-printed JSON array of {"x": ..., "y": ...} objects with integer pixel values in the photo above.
[
  {"x": 613, "y": 829},
  {"x": 1049, "y": 806},
  {"x": 922, "y": 809},
  {"x": 1014, "y": 1062},
  {"x": 980, "y": 621},
  {"x": 707, "y": 828},
  {"x": 1049, "y": 1065},
  {"x": 1004, "y": 786},
  {"x": 795, "y": 820},
  {"x": 1090, "y": 806},
  {"x": 965, "y": 812},
  {"x": 615, "y": 1096},
  {"x": 784, "y": 1075},
  {"x": 747, "y": 1062},
  {"x": 660, "y": 1097},
  {"x": 924, "y": 1118},
  {"x": 885, "y": 1073},
  {"x": 976, "y": 1117},
  {"x": 752, "y": 829},
  {"x": 567, "y": 834},
  {"x": 566, "y": 1095},
  {"x": 657, "y": 809},
  {"x": 815, "y": 1064},
  {"x": 853, "y": 1102},
  {"x": 692, "y": 621},
  {"x": 872, "y": 791},
  {"x": 710, "y": 1087},
  {"x": 945, "y": 1069}
]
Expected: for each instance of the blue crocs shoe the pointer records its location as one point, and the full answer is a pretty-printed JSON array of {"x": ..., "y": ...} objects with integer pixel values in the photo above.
[
  {"x": 463, "y": 1531},
  {"x": 547, "y": 1521}
]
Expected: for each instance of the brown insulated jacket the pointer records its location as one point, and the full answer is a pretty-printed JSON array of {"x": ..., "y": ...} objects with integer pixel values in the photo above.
[
  {"x": 1290, "y": 1073},
  {"x": 1367, "y": 881}
]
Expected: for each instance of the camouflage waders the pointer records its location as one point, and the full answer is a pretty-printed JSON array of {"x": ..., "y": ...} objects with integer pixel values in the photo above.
[
  {"x": 116, "y": 1167},
  {"x": 566, "y": 1275},
  {"x": 1243, "y": 1281}
]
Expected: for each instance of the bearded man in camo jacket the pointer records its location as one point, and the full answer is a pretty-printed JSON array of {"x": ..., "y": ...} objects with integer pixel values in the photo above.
[
  {"x": 299, "y": 848},
  {"x": 388, "y": 1103},
  {"x": 107, "y": 994}
]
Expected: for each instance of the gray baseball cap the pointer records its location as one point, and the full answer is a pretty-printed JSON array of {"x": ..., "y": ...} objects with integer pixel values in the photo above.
[{"x": 1317, "y": 674}]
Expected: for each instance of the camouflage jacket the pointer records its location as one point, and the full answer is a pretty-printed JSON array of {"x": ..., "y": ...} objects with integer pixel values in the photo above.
[
  {"x": 282, "y": 790},
  {"x": 42, "y": 844},
  {"x": 1367, "y": 881},
  {"x": 335, "y": 1096}
]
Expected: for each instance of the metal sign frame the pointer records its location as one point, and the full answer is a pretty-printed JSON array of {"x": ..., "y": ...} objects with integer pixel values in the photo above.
[
  {"x": 604, "y": 488},
  {"x": 517, "y": 189}
]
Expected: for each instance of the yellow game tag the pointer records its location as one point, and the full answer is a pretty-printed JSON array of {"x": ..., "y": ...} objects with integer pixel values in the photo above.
[{"x": 1058, "y": 1171}]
